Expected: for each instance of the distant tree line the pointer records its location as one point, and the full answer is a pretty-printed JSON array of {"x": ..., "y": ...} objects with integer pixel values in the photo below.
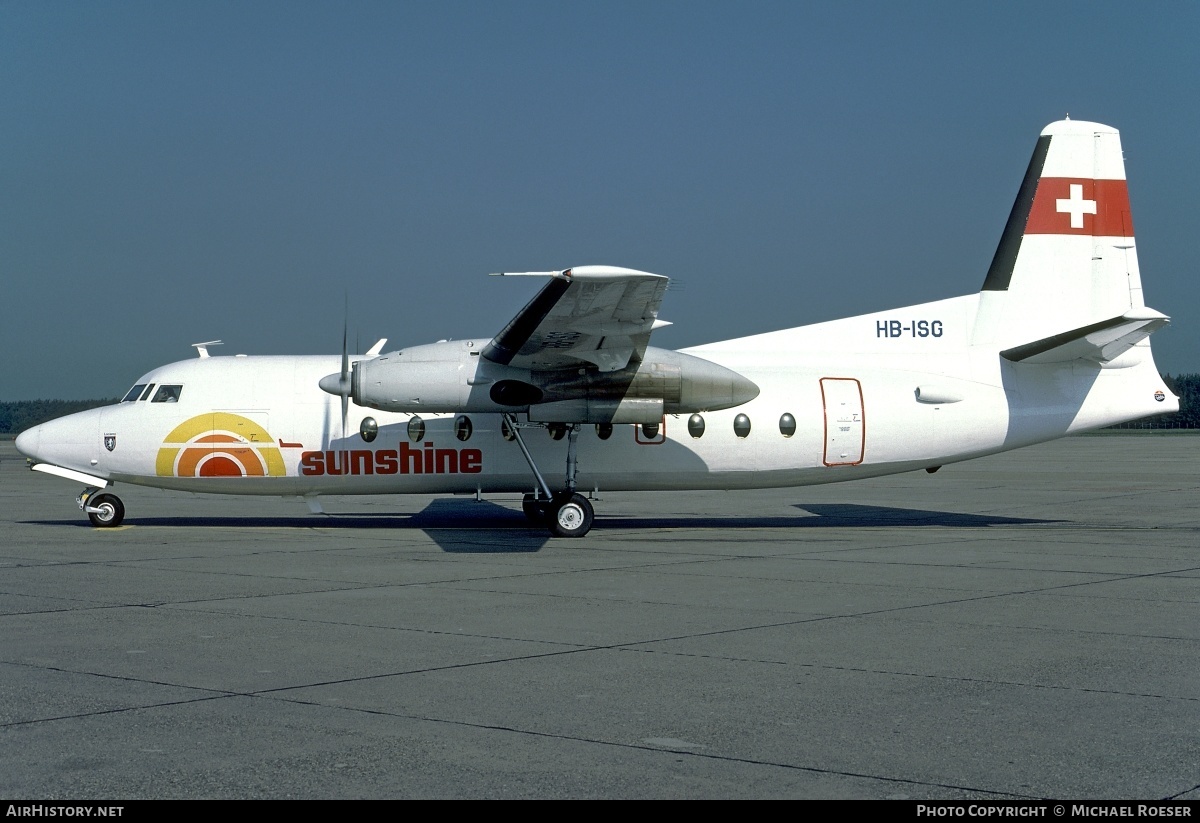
[{"x": 19, "y": 416}]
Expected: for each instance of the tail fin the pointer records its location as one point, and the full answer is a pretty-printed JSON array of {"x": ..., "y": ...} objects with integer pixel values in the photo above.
[{"x": 1064, "y": 283}]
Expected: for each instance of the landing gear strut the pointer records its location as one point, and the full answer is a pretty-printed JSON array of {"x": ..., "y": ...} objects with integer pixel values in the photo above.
[
  {"x": 568, "y": 513},
  {"x": 104, "y": 510}
]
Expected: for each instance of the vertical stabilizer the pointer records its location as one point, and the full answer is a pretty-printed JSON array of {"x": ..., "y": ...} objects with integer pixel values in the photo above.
[{"x": 1066, "y": 261}]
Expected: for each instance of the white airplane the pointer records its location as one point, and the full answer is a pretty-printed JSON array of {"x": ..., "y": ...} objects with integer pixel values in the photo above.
[{"x": 1054, "y": 343}]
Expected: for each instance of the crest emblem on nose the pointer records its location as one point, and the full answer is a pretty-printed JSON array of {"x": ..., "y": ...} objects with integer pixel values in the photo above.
[{"x": 110, "y": 441}]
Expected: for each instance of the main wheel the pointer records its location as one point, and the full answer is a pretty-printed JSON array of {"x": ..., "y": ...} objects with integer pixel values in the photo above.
[
  {"x": 112, "y": 511},
  {"x": 534, "y": 508},
  {"x": 570, "y": 516}
]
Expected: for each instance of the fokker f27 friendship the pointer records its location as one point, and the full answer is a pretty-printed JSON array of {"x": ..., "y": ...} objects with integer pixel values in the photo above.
[{"x": 1054, "y": 343}]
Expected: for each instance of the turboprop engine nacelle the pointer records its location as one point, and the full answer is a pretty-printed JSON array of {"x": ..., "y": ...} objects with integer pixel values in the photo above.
[{"x": 453, "y": 377}]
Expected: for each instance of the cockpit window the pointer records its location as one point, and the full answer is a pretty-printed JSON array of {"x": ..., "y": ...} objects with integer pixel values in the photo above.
[
  {"x": 134, "y": 393},
  {"x": 167, "y": 394},
  {"x": 146, "y": 393}
]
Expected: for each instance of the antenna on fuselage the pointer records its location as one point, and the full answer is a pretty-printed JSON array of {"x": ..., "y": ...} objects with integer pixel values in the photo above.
[{"x": 202, "y": 348}]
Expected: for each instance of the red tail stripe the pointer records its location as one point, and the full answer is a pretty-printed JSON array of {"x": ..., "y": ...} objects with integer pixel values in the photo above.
[{"x": 1055, "y": 204}]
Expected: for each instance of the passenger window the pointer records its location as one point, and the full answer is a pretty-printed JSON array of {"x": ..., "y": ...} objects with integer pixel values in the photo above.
[
  {"x": 167, "y": 394},
  {"x": 134, "y": 393},
  {"x": 741, "y": 425},
  {"x": 463, "y": 427},
  {"x": 787, "y": 425}
]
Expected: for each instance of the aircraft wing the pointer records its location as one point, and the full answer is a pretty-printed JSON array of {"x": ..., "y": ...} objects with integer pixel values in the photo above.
[{"x": 600, "y": 315}]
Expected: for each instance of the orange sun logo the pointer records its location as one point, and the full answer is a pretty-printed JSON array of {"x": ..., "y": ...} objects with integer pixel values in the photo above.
[{"x": 219, "y": 444}]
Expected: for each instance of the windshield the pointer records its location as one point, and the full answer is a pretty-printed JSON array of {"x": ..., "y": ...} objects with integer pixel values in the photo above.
[{"x": 134, "y": 393}]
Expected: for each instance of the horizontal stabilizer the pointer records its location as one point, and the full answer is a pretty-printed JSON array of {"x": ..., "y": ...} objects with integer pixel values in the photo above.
[{"x": 1100, "y": 342}]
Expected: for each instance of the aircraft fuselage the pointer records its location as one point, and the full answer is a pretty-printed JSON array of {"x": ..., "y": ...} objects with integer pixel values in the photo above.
[{"x": 261, "y": 425}]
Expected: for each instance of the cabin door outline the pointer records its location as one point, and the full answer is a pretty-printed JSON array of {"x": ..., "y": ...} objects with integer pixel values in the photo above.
[{"x": 845, "y": 421}]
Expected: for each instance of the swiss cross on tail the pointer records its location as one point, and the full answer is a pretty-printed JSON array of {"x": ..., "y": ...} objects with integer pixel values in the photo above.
[{"x": 1068, "y": 205}]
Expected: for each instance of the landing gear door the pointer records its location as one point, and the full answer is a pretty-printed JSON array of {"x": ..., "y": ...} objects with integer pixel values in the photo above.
[{"x": 845, "y": 425}]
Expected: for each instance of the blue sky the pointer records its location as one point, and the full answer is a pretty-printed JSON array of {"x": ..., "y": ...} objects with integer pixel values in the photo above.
[{"x": 178, "y": 172}]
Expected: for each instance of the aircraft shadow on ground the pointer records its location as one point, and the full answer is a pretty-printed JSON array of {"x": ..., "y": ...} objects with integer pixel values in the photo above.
[
  {"x": 850, "y": 514},
  {"x": 825, "y": 516},
  {"x": 480, "y": 527},
  {"x": 466, "y": 526}
]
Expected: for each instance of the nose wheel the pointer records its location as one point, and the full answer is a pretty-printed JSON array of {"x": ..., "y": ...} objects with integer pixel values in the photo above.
[{"x": 104, "y": 510}]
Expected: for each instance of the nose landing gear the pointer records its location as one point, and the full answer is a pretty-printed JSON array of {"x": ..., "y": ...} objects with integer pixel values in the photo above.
[{"x": 104, "y": 510}]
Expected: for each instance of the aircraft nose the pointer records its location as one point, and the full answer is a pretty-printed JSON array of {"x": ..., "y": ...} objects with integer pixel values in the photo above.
[
  {"x": 65, "y": 441},
  {"x": 27, "y": 442}
]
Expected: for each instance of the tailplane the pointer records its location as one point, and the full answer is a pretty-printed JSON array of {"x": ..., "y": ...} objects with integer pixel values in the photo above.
[{"x": 1064, "y": 283}]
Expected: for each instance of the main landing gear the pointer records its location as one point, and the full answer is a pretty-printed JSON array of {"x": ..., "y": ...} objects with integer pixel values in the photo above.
[
  {"x": 104, "y": 510},
  {"x": 568, "y": 513}
]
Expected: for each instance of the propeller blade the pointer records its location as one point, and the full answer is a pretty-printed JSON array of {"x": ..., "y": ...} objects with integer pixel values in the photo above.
[
  {"x": 341, "y": 383},
  {"x": 344, "y": 381}
]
